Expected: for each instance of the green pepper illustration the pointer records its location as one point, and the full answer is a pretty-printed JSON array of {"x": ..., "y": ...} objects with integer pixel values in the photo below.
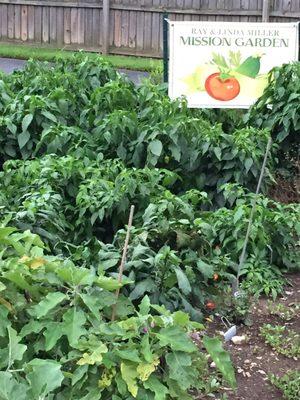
[{"x": 250, "y": 67}]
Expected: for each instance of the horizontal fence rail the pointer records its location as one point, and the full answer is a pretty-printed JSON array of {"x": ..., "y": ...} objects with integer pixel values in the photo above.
[{"x": 127, "y": 27}]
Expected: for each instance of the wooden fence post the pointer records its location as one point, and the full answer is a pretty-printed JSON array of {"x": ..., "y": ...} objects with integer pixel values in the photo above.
[
  {"x": 105, "y": 27},
  {"x": 266, "y": 11}
]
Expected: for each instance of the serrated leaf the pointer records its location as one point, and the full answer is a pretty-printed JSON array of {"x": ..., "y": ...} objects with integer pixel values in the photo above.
[
  {"x": 221, "y": 359},
  {"x": 155, "y": 385},
  {"x": 15, "y": 350},
  {"x": 129, "y": 354},
  {"x": 144, "y": 370},
  {"x": 176, "y": 338},
  {"x": 73, "y": 325},
  {"x": 44, "y": 377},
  {"x": 129, "y": 375},
  {"x": 95, "y": 357},
  {"x": 52, "y": 334},
  {"x": 10, "y": 388},
  {"x": 181, "y": 369},
  {"x": 47, "y": 304}
]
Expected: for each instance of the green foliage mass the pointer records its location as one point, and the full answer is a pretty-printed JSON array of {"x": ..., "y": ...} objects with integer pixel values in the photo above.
[
  {"x": 57, "y": 341},
  {"x": 79, "y": 144},
  {"x": 289, "y": 384}
]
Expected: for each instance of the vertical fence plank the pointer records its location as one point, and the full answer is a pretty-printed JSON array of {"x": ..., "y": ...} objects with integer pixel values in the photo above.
[
  {"x": 67, "y": 25},
  {"x": 125, "y": 29},
  {"x": 155, "y": 29},
  {"x": 60, "y": 26},
  {"x": 140, "y": 29},
  {"x": 10, "y": 22},
  {"x": 17, "y": 17},
  {"x": 53, "y": 26},
  {"x": 74, "y": 25},
  {"x": 81, "y": 22},
  {"x": 96, "y": 27},
  {"x": 45, "y": 25},
  {"x": 30, "y": 12},
  {"x": 4, "y": 17},
  {"x": 38, "y": 24},
  {"x": 148, "y": 27},
  {"x": 24, "y": 23},
  {"x": 88, "y": 27},
  {"x": 105, "y": 26},
  {"x": 132, "y": 29}
]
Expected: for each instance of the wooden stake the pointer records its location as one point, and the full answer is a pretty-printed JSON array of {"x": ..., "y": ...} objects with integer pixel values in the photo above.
[{"x": 121, "y": 267}]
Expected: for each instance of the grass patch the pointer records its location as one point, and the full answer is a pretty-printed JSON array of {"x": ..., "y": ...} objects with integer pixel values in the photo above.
[{"x": 45, "y": 54}]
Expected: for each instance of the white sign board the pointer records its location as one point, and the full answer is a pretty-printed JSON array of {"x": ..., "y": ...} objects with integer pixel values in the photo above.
[{"x": 225, "y": 64}]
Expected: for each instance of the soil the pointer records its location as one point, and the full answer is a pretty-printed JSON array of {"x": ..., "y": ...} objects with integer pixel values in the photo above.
[{"x": 255, "y": 360}]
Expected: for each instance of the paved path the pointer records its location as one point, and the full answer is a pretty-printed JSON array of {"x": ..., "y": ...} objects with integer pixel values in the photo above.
[{"x": 9, "y": 65}]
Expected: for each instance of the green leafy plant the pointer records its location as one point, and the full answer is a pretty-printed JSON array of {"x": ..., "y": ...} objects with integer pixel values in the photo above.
[
  {"x": 284, "y": 341},
  {"x": 284, "y": 312},
  {"x": 288, "y": 384},
  {"x": 56, "y": 339}
]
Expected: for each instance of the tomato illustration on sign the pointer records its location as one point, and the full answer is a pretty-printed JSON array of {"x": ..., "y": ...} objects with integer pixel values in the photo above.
[{"x": 222, "y": 88}]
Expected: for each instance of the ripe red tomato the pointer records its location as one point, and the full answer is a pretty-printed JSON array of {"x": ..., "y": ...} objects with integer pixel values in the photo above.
[
  {"x": 210, "y": 305},
  {"x": 222, "y": 89},
  {"x": 215, "y": 277}
]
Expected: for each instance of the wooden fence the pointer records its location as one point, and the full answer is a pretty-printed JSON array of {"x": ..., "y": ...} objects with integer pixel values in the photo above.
[{"x": 134, "y": 26}]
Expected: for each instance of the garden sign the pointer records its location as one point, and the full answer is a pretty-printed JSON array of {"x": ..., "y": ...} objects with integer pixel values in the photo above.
[{"x": 224, "y": 64}]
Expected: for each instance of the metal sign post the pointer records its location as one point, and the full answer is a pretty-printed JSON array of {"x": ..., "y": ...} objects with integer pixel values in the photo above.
[{"x": 165, "y": 47}]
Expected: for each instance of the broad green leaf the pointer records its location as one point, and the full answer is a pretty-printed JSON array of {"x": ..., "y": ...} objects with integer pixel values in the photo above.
[
  {"x": 144, "y": 370},
  {"x": 15, "y": 350},
  {"x": 47, "y": 304},
  {"x": 181, "y": 318},
  {"x": 5, "y": 323},
  {"x": 154, "y": 384},
  {"x": 181, "y": 369},
  {"x": 155, "y": 147},
  {"x": 26, "y": 122},
  {"x": 11, "y": 389},
  {"x": 221, "y": 359},
  {"x": 2, "y": 287},
  {"x": 176, "y": 338},
  {"x": 144, "y": 307},
  {"x": 33, "y": 326},
  {"x": 129, "y": 375},
  {"x": 206, "y": 270},
  {"x": 73, "y": 325},
  {"x": 52, "y": 334},
  {"x": 238, "y": 215},
  {"x": 130, "y": 355},
  {"x": 44, "y": 376},
  {"x": 23, "y": 139},
  {"x": 95, "y": 357},
  {"x": 248, "y": 164},
  {"x": 183, "y": 281},
  {"x": 146, "y": 349},
  {"x": 218, "y": 153},
  {"x": 75, "y": 276},
  {"x": 142, "y": 287},
  {"x": 107, "y": 283}
]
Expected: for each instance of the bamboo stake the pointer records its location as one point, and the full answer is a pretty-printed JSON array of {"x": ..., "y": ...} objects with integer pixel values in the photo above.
[{"x": 121, "y": 267}]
